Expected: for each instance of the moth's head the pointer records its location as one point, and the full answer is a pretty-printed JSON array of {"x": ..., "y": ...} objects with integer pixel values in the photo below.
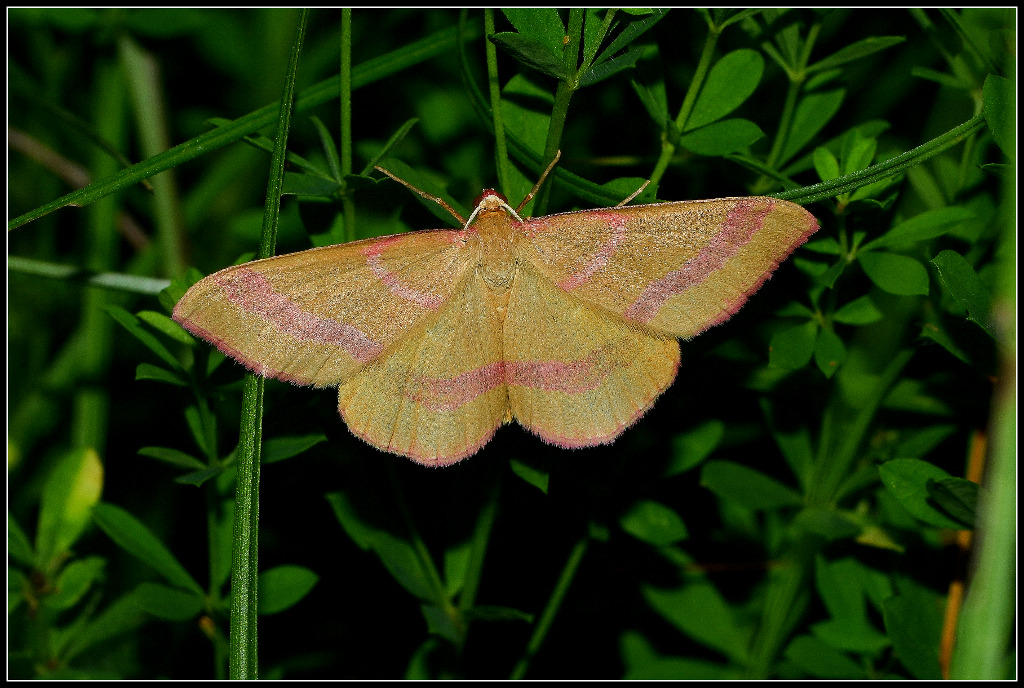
[{"x": 490, "y": 201}]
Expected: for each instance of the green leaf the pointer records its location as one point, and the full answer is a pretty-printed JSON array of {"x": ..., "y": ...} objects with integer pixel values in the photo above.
[
  {"x": 154, "y": 373},
  {"x": 119, "y": 617},
  {"x": 922, "y": 227},
  {"x": 721, "y": 137},
  {"x": 857, "y": 153},
  {"x": 400, "y": 559},
  {"x": 825, "y": 245},
  {"x": 653, "y": 523},
  {"x": 644, "y": 663},
  {"x": 534, "y": 476},
  {"x": 957, "y": 497},
  {"x": 74, "y": 581},
  {"x": 896, "y": 274},
  {"x": 609, "y": 68},
  {"x": 443, "y": 621},
  {"x": 654, "y": 100},
  {"x": 329, "y": 148},
  {"x": 962, "y": 283},
  {"x": 825, "y": 164},
  {"x": 495, "y": 613},
  {"x": 173, "y": 604},
  {"x": 164, "y": 325},
  {"x": 296, "y": 184},
  {"x": 197, "y": 478},
  {"x": 347, "y": 515},
  {"x": 829, "y": 352},
  {"x": 196, "y": 421},
  {"x": 690, "y": 448},
  {"x": 397, "y": 555},
  {"x": 700, "y": 611},
  {"x": 70, "y": 493},
  {"x": 907, "y": 481},
  {"x": 1000, "y": 113},
  {"x": 830, "y": 524},
  {"x": 134, "y": 325},
  {"x": 540, "y": 24},
  {"x": 747, "y": 486},
  {"x": 135, "y": 538},
  {"x": 917, "y": 442},
  {"x": 632, "y": 30},
  {"x": 797, "y": 450},
  {"x": 532, "y": 53},
  {"x": 732, "y": 80},
  {"x": 813, "y": 112},
  {"x": 852, "y": 636},
  {"x": 456, "y": 566},
  {"x": 821, "y": 661},
  {"x": 855, "y": 51},
  {"x": 385, "y": 151},
  {"x": 281, "y": 448},
  {"x": 839, "y": 584},
  {"x": 284, "y": 586},
  {"x": 860, "y": 311},
  {"x": 18, "y": 546},
  {"x": 526, "y": 110},
  {"x": 792, "y": 347},
  {"x": 913, "y": 624}
]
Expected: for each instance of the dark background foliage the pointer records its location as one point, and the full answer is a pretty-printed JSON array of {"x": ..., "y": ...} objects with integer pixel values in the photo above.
[{"x": 779, "y": 513}]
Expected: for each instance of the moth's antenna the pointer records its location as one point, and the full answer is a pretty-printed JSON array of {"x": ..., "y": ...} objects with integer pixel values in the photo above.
[
  {"x": 536, "y": 187},
  {"x": 435, "y": 199},
  {"x": 634, "y": 194}
]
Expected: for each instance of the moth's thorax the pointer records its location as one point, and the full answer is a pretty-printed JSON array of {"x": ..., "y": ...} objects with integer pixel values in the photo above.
[{"x": 496, "y": 228}]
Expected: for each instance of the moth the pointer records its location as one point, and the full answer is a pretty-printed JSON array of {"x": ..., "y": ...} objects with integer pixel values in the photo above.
[{"x": 568, "y": 324}]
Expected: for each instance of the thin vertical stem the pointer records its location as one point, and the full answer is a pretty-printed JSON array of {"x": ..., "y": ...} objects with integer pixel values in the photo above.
[
  {"x": 560, "y": 109},
  {"x": 345, "y": 101},
  {"x": 547, "y": 617},
  {"x": 245, "y": 537},
  {"x": 494, "y": 88}
]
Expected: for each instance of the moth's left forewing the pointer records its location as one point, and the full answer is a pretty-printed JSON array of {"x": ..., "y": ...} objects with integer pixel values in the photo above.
[
  {"x": 318, "y": 316},
  {"x": 675, "y": 268}
]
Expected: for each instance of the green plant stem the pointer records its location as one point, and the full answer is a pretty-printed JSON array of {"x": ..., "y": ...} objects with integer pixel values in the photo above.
[
  {"x": 884, "y": 170},
  {"x": 785, "y": 603},
  {"x": 985, "y": 632},
  {"x": 135, "y": 284},
  {"x": 481, "y": 537},
  {"x": 345, "y": 103},
  {"x": 365, "y": 73},
  {"x": 90, "y": 411},
  {"x": 426, "y": 561},
  {"x": 151, "y": 116},
  {"x": 218, "y": 641},
  {"x": 245, "y": 538},
  {"x": 668, "y": 143},
  {"x": 797, "y": 74},
  {"x": 697, "y": 82},
  {"x": 494, "y": 90},
  {"x": 560, "y": 108},
  {"x": 547, "y": 617},
  {"x": 845, "y": 429}
]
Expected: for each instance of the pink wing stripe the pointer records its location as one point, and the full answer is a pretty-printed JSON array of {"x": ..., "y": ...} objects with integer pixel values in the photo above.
[
  {"x": 617, "y": 224},
  {"x": 572, "y": 377},
  {"x": 253, "y": 293},
  {"x": 744, "y": 220},
  {"x": 391, "y": 281}
]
